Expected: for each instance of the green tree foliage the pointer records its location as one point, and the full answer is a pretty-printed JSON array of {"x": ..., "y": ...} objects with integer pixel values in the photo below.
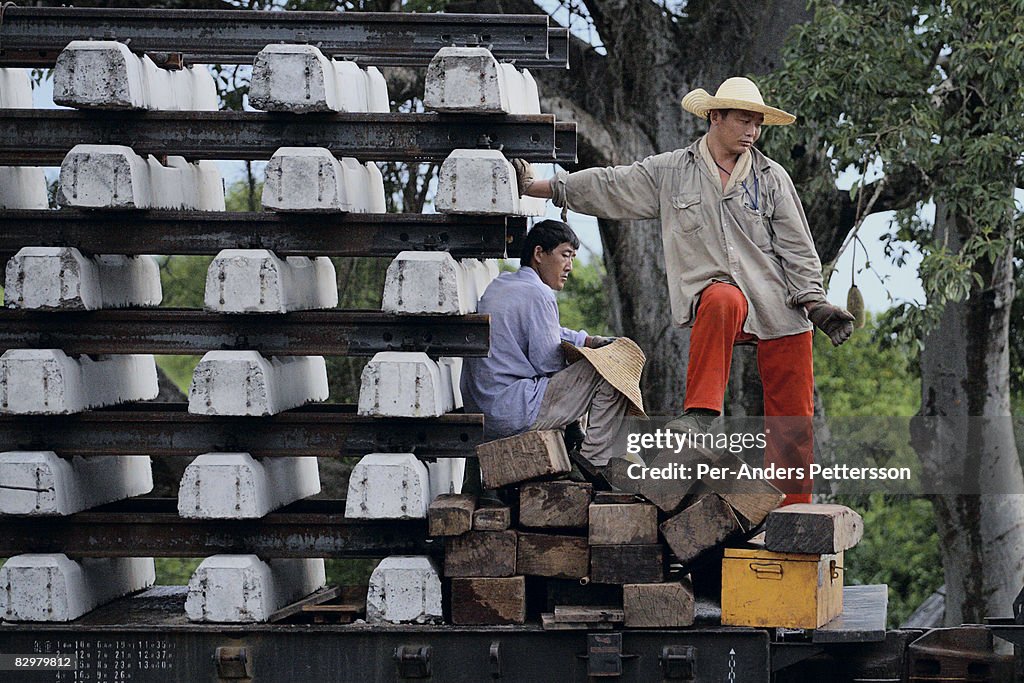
[
  {"x": 583, "y": 304},
  {"x": 930, "y": 91},
  {"x": 870, "y": 391}
]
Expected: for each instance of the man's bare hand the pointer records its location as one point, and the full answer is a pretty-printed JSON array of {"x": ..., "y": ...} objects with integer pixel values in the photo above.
[{"x": 598, "y": 342}]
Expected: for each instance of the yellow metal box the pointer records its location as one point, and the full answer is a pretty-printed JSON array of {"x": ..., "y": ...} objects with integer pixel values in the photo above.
[{"x": 789, "y": 590}]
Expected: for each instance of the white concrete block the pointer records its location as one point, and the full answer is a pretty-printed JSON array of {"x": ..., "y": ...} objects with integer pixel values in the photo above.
[
  {"x": 62, "y": 278},
  {"x": 469, "y": 79},
  {"x": 311, "y": 179},
  {"x": 55, "y": 588},
  {"x": 21, "y": 187},
  {"x": 299, "y": 79},
  {"x": 244, "y": 588},
  {"x": 378, "y": 99},
  {"x": 115, "y": 177},
  {"x": 404, "y": 589},
  {"x": 40, "y": 483},
  {"x": 426, "y": 282},
  {"x": 465, "y": 79},
  {"x": 257, "y": 281},
  {"x": 15, "y": 89},
  {"x": 451, "y": 373},
  {"x": 246, "y": 383},
  {"x": 238, "y": 486},
  {"x": 403, "y": 384},
  {"x": 104, "y": 74},
  {"x": 479, "y": 182},
  {"x": 388, "y": 486},
  {"x": 48, "y": 382}
]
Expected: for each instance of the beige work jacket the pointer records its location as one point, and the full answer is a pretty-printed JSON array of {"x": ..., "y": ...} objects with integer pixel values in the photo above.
[{"x": 756, "y": 237}]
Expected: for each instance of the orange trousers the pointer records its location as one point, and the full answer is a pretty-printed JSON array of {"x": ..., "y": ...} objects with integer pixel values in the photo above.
[{"x": 787, "y": 374}]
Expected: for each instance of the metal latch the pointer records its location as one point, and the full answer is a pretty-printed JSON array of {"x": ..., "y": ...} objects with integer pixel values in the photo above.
[
  {"x": 413, "y": 661},
  {"x": 679, "y": 662},
  {"x": 233, "y": 662},
  {"x": 604, "y": 654}
]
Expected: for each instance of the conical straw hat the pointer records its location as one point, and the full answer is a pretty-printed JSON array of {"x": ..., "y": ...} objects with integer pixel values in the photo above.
[
  {"x": 735, "y": 93},
  {"x": 620, "y": 363}
]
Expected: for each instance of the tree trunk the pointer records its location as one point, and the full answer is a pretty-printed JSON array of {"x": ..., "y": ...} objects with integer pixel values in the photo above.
[{"x": 969, "y": 447}]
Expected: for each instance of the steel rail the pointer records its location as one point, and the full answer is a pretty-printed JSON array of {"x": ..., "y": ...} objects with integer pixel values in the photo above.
[
  {"x": 330, "y": 332},
  {"x": 286, "y": 234},
  {"x": 167, "y": 429},
  {"x": 152, "y": 528},
  {"x": 33, "y": 37},
  {"x": 42, "y": 137}
]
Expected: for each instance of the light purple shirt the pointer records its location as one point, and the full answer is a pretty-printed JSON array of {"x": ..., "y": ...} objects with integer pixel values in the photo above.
[{"x": 508, "y": 386}]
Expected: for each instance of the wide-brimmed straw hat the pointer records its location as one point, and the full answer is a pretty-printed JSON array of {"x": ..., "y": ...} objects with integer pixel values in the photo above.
[
  {"x": 735, "y": 93},
  {"x": 620, "y": 363}
]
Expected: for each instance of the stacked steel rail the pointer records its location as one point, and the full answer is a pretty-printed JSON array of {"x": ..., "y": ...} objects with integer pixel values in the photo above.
[{"x": 34, "y": 37}]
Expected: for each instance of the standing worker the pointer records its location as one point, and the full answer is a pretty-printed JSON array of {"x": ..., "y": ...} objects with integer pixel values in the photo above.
[{"x": 740, "y": 261}]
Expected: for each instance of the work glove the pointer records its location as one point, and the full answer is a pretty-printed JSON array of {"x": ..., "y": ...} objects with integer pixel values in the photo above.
[
  {"x": 835, "y": 322},
  {"x": 598, "y": 342},
  {"x": 524, "y": 175}
]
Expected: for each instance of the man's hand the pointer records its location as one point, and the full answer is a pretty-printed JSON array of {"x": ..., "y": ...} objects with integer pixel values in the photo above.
[
  {"x": 836, "y": 322},
  {"x": 598, "y": 342},
  {"x": 524, "y": 175}
]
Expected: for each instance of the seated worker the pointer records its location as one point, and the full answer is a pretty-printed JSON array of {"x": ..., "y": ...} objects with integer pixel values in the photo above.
[{"x": 525, "y": 384}]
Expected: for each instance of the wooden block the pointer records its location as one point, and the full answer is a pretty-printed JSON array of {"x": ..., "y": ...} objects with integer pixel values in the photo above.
[
  {"x": 530, "y": 455},
  {"x": 481, "y": 553},
  {"x": 564, "y": 557},
  {"x": 547, "y": 621},
  {"x": 700, "y": 527},
  {"x": 623, "y": 524},
  {"x": 588, "y": 614},
  {"x": 554, "y": 504},
  {"x": 813, "y": 529},
  {"x": 572, "y": 592},
  {"x": 658, "y": 605},
  {"x": 670, "y": 493},
  {"x": 752, "y": 499},
  {"x": 486, "y": 601},
  {"x": 451, "y": 514},
  {"x": 492, "y": 517},
  {"x": 627, "y": 563},
  {"x": 615, "y": 497}
]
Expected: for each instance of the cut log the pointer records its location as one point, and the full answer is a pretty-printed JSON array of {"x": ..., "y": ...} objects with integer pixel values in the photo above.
[
  {"x": 526, "y": 456},
  {"x": 564, "y": 557},
  {"x": 676, "y": 477},
  {"x": 492, "y": 517},
  {"x": 700, "y": 527},
  {"x": 487, "y": 601},
  {"x": 588, "y": 614},
  {"x": 627, "y": 563},
  {"x": 623, "y": 524},
  {"x": 451, "y": 514},
  {"x": 752, "y": 499},
  {"x": 554, "y": 504},
  {"x": 658, "y": 605},
  {"x": 813, "y": 529},
  {"x": 615, "y": 497},
  {"x": 481, "y": 553}
]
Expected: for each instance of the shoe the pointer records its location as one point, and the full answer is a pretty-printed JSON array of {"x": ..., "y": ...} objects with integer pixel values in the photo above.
[{"x": 692, "y": 422}]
